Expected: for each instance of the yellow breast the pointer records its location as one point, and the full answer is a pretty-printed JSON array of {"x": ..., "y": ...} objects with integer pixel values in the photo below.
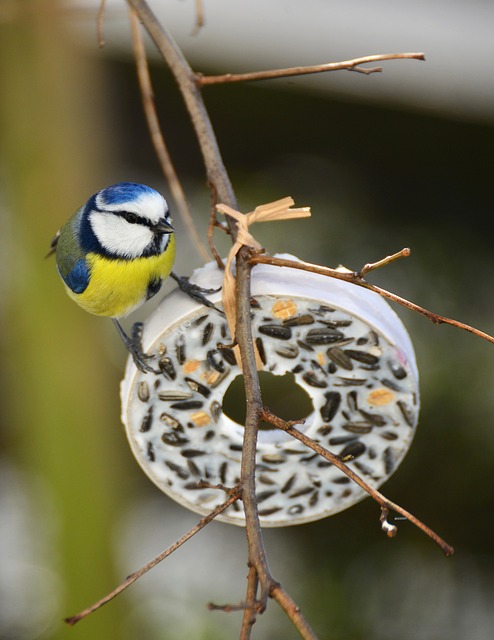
[{"x": 117, "y": 287}]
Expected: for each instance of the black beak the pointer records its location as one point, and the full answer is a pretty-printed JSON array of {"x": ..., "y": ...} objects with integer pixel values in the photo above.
[{"x": 163, "y": 226}]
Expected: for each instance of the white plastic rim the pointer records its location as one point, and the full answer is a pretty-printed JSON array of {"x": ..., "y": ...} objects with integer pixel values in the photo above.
[{"x": 343, "y": 345}]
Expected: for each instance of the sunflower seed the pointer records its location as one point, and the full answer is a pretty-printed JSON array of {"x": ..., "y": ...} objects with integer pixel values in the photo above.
[
  {"x": 214, "y": 358},
  {"x": 288, "y": 351},
  {"x": 207, "y": 333},
  {"x": 323, "y": 335},
  {"x": 390, "y": 384},
  {"x": 342, "y": 440},
  {"x": 147, "y": 421},
  {"x": 223, "y": 470},
  {"x": 331, "y": 406},
  {"x": 176, "y": 394},
  {"x": 388, "y": 435},
  {"x": 406, "y": 412},
  {"x": 277, "y": 331},
  {"x": 143, "y": 391},
  {"x": 266, "y": 479},
  {"x": 229, "y": 356},
  {"x": 180, "y": 471},
  {"x": 362, "y": 356},
  {"x": 389, "y": 457},
  {"x": 268, "y": 512},
  {"x": 197, "y": 386},
  {"x": 351, "y": 400},
  {"x": 260, "y": 349},
  {"x": 167, "y": 368},
  {"x": 186, "y": 405},
  {"x": 357, "y": 427},
  {"x": 339, "y": 357},
  {"x": 397, "y": 370},
  {"x": 171, "y": 422},
  {"x": 350, "y": 382},
  {"x": 216, "y": 410},
  {"x": 334, "y": 324},
  {"x": 264, "y": 495},
  {"x": 301, "y": 492},
  {"x": 289, "y": 483},
  {"x": 312, "y": 380},
  {"x": 313, "y": 499},
  {"x": 297, "y": 321},
  {"x": 193, "y": 468},
  {"x": 342, "y": 480},
  {"x": 174, "y": 439},
  {"x": 273, "y": 458},
  {"x": 192, "y": 453},
  {"x": 325, "y": 429},
  {"x": 373, "y": 418},
  {"x": 150, "y": 452},
  {"x": 180, "y": 350},
  {"x": 352, "y": 451}
]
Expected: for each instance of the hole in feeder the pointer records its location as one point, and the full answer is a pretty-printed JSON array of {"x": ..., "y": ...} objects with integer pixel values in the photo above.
[{"x": 281, "y": 394}]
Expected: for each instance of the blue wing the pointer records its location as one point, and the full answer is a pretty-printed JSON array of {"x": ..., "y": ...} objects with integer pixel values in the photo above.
[{"x": 78, "y": 277}]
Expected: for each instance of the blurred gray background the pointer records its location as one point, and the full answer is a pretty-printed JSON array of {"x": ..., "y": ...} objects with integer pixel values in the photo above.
[{"x": 401, "y": 158}]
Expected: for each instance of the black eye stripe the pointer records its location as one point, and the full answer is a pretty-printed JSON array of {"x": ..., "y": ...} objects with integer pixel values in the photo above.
[{"x": 133, "y": 218}]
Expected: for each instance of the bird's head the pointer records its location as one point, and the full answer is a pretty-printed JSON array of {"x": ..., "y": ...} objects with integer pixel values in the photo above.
[{"x": 127, "y": 220}]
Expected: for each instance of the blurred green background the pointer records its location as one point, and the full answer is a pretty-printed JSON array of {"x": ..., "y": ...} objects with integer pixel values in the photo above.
[{"x": 77, "y": 514}]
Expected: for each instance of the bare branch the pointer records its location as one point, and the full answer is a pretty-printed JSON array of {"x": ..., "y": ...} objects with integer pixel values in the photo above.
[
  {"x": 349, "y": 65},
  {"x": 234, "y": 496},
  {"x": 243, "y": 333},
  {"x": 157, "y": 135},
  {"x": 187, "y": 82},
  {"x": 338, "y": 462},
  {"x": 354, "y": 278}
]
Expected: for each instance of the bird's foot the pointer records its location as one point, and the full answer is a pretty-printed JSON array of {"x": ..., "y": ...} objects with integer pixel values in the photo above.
[
  {"x": 195, "y": 292},
  {"x": 133, "y": 344}
]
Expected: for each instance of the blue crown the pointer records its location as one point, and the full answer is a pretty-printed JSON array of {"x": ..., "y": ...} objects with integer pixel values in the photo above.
[{"x": 124, "y": 192}]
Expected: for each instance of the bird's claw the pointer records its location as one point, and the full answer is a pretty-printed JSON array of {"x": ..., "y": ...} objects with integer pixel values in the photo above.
[{"x": 195, "y": 292}]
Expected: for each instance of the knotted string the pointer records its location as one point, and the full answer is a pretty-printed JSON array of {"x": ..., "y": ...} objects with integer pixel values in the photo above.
[{"x": 278, "y": 210}]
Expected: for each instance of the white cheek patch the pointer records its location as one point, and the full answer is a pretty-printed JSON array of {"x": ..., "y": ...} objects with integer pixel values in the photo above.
[
  {"x": 119, "y": 237},
  {"x": 151, "y": 206}
]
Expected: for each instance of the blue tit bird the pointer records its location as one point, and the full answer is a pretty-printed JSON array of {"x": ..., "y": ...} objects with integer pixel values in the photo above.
[{"x": 115, "y": 253}]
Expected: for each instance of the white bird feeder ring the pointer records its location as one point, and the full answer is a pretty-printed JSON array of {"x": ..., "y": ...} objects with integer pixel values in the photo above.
[{"x": 345, "y": 347}]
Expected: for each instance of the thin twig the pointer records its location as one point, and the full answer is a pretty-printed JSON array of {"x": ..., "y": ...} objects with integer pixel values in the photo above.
[
  {"x": 157, "y": 135},
  {"x": 233, "y": 497},
  {"x": 200, "y": 21},
  {"x": 372, "y": 266},
  {"x": 251, "y": 604},
  {"x": 293, "y": 612},
  {"x": 354, "y": 278},
  {"x": 337, "y": 462},
  {"x": 349, "y": 65},
  {"x": 101, "y": 11}
]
